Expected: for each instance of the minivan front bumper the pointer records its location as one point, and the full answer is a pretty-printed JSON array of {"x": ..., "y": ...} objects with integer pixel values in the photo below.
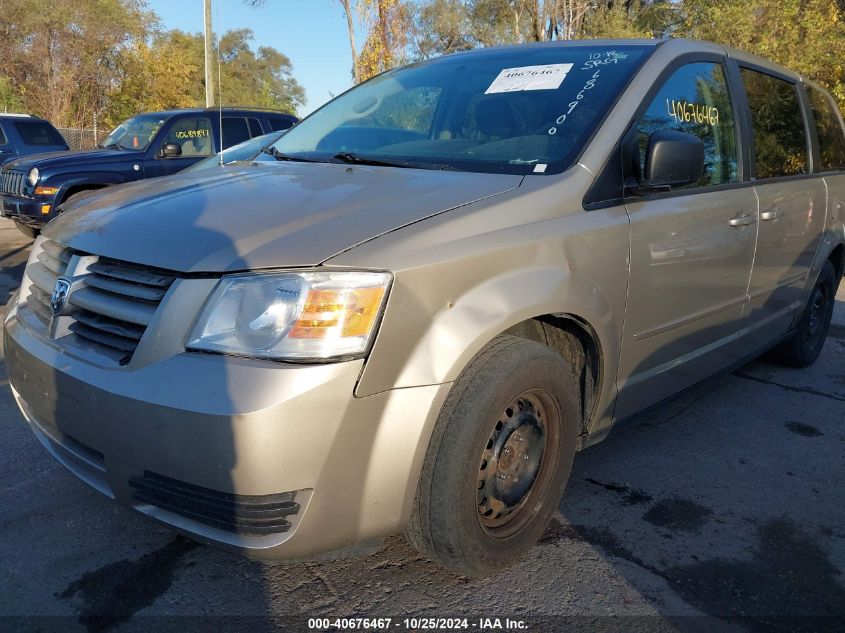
[{"x": 210, "y": 444}]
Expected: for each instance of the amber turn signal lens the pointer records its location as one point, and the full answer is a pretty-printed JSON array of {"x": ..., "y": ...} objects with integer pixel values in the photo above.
[
  {"x": 46, "y": 191},
  {"x": 338, "y": 313},
  {"x": 45, "y": 209}
]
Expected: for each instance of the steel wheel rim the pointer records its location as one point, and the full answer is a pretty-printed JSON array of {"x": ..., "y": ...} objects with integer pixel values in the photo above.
[
  {"x": 517, "y": 463},
  {"x": 817, "y": 315}
]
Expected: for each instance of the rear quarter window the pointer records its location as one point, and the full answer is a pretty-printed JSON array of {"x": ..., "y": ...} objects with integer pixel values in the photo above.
[
  {"x": 235, "y": 130},
  {"x": 277, "y": 124},
  {"x": 829, "y": 130},
  {"x": 38, "y": 133},
  {"x": 254, "y": 127}
]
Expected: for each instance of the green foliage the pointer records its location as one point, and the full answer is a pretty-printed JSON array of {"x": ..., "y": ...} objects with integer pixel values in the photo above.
[
  {"x": 73, "y": 61},
  {"x": 10, "y": 99},
  {"x": 805, "y": 35},
  {"x": 262, "y": 78},
  {"x": 388, "y": 22},
  {"x": 442, "y": 27}
]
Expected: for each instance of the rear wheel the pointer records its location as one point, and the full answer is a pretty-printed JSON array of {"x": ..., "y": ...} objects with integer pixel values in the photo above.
[
  {"x": 498, "y": 460},
  {"x": 804, "y": 347}
]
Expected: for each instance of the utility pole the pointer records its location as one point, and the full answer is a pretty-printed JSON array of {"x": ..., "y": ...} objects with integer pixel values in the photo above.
[{"x": 209, "y": 88}]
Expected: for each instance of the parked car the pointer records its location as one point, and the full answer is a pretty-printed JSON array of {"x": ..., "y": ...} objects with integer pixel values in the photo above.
[
  {"x": 147, "y": 145},
  {"x": 22, "y": 134},
  {"x": 454, "y": 277},
  {"x": 248, "y": 150}
]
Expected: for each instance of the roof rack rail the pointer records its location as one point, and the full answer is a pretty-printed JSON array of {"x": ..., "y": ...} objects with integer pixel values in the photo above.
[
  {"x": 251, "y": 108},
  {"x": 18, "y": 114}
]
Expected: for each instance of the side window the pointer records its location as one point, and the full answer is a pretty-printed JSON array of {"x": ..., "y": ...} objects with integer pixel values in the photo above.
[
  {"x": 277, "y": 124},
  {"x": 254, "y": 127},
  {"x": 695, "y": 100},
  {"x": 830, "y": 133},
  {"x": 193, "y": 135},
  {"x": 38, "y": 133},
  {"x": 3, "y": 139},
  {"x": 235, "y": 130},
  {"x": 780, "y": 141}
]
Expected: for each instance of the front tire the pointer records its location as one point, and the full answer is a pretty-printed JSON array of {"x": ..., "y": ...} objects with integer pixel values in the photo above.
[
  {"x": 498, "y": 460},
  {"x": 805, "y": 345},
  {"x": 30, "y": 231}
]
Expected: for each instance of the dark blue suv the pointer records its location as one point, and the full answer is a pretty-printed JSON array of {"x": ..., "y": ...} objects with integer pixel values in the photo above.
[
  {"x": 145, "y": 146},
  {"x": 22, "y": 134}
]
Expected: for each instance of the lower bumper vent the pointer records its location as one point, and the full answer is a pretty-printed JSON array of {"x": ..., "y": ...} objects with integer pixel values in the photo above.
[{"x": 251, "y": 515}]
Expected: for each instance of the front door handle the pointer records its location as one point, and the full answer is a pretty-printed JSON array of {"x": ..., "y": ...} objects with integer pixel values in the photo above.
[
  {"x": 742, "y": 220},
  {"x": 771, "y": 214}
]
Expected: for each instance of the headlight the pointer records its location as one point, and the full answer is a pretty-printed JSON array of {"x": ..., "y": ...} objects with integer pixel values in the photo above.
[
  {"x": 32, "y": 176},
  {"x": 292, "y": 315}
]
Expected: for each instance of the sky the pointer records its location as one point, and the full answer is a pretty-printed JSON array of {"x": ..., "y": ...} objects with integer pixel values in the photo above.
[{"x": 312, "y": 33}]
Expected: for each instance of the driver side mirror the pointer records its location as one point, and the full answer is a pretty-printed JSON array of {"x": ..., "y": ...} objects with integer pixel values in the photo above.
[
  {"x": 170, "y": 150},
  {"x": 673, "y": 159}
]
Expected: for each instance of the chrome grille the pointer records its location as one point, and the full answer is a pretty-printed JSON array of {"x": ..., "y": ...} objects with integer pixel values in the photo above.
[
  {"x": 113, "y": 306},
  {"x": 50, "y": 264},
  {"x": 12, "y": 182},
  {"x": 117, "y": 303}
]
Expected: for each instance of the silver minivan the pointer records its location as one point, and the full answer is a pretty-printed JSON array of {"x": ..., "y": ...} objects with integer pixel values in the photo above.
[{"x": 452, "y": 278}]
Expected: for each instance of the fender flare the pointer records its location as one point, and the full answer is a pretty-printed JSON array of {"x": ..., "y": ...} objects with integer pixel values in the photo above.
[{"x": 94, "y": 180}]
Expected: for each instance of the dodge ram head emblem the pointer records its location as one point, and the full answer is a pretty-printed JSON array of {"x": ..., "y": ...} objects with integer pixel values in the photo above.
[{"x": 59, "y": 297}]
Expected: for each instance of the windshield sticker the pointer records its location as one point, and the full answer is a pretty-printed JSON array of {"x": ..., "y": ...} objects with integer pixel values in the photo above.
[
  {"x": 547, "y": 77},
  {"x": 589, "y": 85},
  {"x": 686, "y": 112},
  {"x": 539, "y": 168}
]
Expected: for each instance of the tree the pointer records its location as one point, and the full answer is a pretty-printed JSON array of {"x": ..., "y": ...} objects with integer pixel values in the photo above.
[
  {"x": 10, "y": 100},
  {"x": 388, "y": 22},
  {"x": 805, "y": 35},
  {"x": 63, "y": 58},
  {"x": 263, "y": 78},
  {"x": 166, "y": 73},
  {"x": 441, "y": 27},
  {"x": 350, "y": 30}
]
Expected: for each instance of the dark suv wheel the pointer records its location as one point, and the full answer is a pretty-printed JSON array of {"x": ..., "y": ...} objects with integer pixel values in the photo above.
[
  {"x": 26, "y": 229},
  {"x": 499, "y": 458}
]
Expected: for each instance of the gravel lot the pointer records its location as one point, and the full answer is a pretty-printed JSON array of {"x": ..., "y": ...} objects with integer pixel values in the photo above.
[{"x": 726, "y": 503}]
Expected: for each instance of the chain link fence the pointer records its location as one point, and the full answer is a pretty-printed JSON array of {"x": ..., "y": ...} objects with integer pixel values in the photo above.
[{"x": 82, "y": 139}]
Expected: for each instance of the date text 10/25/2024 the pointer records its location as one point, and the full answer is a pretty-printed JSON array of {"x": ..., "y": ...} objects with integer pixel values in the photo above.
[{"x": 417, "y": 624}]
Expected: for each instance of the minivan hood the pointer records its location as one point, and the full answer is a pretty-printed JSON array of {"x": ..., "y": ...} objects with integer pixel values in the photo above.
[
  {"x": 262, "y": 215},
  {"x": 72, "y": 158}
]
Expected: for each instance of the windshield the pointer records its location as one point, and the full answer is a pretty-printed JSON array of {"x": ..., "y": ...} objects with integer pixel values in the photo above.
[
  {"x": 242, "y": 151},
  {"x": 135, "y": 133},
  {"x": 514, "y": 110}
]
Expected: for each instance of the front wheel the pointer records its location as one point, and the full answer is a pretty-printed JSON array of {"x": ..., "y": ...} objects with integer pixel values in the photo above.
[
  {"x": 498, "y": 460},
  {"x": 805, "y": 345},
  {"x": 30, "y": 231}
]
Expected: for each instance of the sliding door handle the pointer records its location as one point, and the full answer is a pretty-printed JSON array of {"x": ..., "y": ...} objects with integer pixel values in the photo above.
[
  {"x": 742, "y": 220},
  {"x": 771, "y": 214}
]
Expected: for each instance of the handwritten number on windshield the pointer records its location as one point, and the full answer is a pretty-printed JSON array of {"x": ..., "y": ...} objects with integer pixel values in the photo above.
[{"x": 589, "y": 85}]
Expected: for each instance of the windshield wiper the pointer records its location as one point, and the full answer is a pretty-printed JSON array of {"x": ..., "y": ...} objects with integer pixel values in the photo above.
[
  {"x": 111, "y": 146},
  {"x": 272, "y": 151},
  {"x": 357, "y": 159}
]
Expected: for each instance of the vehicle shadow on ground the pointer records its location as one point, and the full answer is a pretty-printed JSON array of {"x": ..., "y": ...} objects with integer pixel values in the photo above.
[{"x": 671, "y": 504}]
